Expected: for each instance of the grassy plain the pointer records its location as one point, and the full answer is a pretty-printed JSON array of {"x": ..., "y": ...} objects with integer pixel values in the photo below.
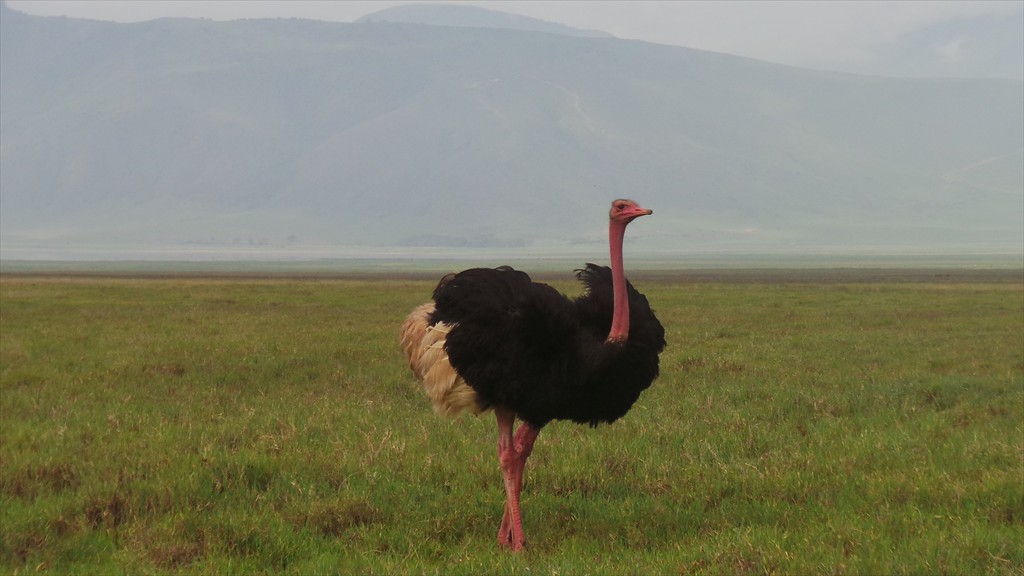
[{"x": 236, "y": 425}]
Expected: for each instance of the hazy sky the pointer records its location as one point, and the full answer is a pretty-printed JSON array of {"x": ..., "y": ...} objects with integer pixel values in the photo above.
[{"x": 826, "y": 34}]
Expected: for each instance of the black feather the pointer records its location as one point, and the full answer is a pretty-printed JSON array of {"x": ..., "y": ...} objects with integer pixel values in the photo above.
[{"x": 523, "y": 345}]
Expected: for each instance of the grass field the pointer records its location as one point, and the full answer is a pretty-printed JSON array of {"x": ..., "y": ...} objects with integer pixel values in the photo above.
[{"x": 237, "y": 425}]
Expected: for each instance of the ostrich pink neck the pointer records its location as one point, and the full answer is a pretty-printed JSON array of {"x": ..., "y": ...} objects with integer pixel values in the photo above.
[{"x": 620, "y": 309}]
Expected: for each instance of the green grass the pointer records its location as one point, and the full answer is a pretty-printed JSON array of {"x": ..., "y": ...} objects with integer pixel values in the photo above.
[{"x": 269, "y": 425}]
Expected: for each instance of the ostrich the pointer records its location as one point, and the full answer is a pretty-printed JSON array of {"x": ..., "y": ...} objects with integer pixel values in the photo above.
[{"x": 492, "y": 339}]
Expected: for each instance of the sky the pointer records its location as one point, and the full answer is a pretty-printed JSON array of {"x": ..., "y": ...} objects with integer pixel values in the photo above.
[{"x": 837, "y": 35}]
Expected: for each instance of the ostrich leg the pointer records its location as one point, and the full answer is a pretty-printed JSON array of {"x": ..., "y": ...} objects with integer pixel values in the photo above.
[{"x": 512, "y": 455}]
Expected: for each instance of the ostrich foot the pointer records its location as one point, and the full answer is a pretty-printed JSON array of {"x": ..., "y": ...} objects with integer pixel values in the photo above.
[{"x": 507, "y": 534}]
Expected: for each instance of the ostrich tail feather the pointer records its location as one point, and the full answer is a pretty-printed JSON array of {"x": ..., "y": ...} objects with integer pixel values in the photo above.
[
  {"x": 423, "y": 345},
  {"x": 413, "y": 330}
]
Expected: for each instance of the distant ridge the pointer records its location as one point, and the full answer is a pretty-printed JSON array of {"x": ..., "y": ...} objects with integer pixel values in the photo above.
[{"x": 473, "y": 17}]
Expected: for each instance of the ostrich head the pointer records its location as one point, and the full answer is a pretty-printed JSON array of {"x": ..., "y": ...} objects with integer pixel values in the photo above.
[{"x": 624, "y": 211}]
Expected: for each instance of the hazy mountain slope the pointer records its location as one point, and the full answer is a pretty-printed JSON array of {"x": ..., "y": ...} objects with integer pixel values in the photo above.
[
  {"x": 188, "y": 131},
  {"x": 990, "y": 46},
  {"x": 472, "y": 17}
]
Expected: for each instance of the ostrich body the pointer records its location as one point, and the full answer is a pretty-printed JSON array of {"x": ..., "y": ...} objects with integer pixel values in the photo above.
[{"x": 493, "y": 339}]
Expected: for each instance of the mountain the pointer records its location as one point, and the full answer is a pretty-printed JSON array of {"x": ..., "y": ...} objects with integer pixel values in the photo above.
[
  {"x": 289, "y": 133},
  {"x": 472, "y": 17}
]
